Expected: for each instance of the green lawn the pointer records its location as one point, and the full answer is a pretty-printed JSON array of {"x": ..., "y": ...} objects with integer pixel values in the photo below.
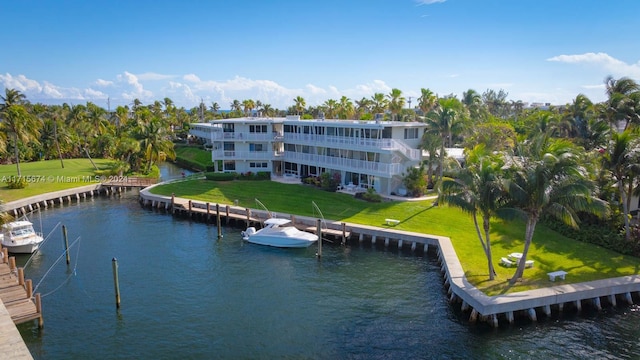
[
  {"x": 549, "y": 250},
  {"x": 47, "y": 176},
  {"x": 194, "y": 156}
]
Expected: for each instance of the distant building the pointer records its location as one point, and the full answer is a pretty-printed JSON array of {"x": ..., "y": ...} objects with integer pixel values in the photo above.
[{"x": 364, "y": 154}]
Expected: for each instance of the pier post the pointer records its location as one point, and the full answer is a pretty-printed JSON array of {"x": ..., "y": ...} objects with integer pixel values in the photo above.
[
  {"x": 5, "y": 255},
  {"x": 66, "y": 243},
  {"x": 39, "y": 310},
  {"x": 560, "y": 307},
  {"x": 400, "y": 245},
  {"x": 360, "y": 238},
  {"x": 21, "y": 276},
  {"x": 173, "y": 202},
  {"x": 464, "y": 306},
  {"x": 532, "y": 314},
  {"x": 208, "y": 212},
  {"x": 373, "y": 240},
  {"x": 227, "y": 213},
  {"x": 413, "y": 246},
  {"x": 578, "y": 304},
  {"x": 218, "y": 223},
  {"x": 319, "y": 231},
  {"x": 547, "y": 310},
  {"x": 474, "y": 316},
  {"x": 596, "y": 303},
  {"x": 12, "y": 263},
  {"x": 386, "y": 242},
  {"x": 114, "y": 265},
  {"x": 29, "y": 288},
  {"x": 494, "y": 320},
  {"x": 248, "y": 211},
  {"x": 509, "y": 315},
  {"x": 627, "y": 296},
  {"x": 189, "y": 209},
  {"x": 612, "y": 300},
  {"x": 344, "y": 234}
]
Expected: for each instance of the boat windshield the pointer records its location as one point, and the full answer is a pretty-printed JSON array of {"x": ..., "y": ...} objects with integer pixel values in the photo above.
[{"x": 22, "y": 231}]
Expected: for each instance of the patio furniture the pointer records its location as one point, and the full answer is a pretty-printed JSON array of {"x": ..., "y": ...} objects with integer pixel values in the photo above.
[{"x": 560, "y": 273}]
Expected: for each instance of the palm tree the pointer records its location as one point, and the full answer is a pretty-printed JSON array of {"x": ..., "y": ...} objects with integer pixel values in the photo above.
[
  {"x": 155, "y": 143},
  {"x": 17, "y": 123},
  {"x": 379, "y": 103},
  {"x": 345, "y": 108},
  {"x": 546, "y": 178},
  {"x": 623, "y": 103},
  {"x": 362, "y": 107},
  {"x": 396, "y": 102},
  {"x": 300, "y": 104},
  {"x": 215, "y": 107},
  {"x": 622, "y": 160},
  {"x": 427, "y": 101},
  {"x": 473, "y": 101},
  {"x": 444, "y": 121},
  {"x": 330, "y": 107},
  {"x": 431, "y": 143},
  {"x": 478, "y": 190}
]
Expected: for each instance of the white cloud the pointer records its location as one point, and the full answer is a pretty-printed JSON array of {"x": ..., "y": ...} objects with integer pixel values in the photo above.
[
  {"x": 603, "y": 60},
  {"x": 20, "y": 83},
  {"x": 153, "y": 76},
  {"x": 137, "y": 91},
  {"x": 101, "y": 82},
  {"x": 315, "y": 89},
  {"x": 52, "y": 91},
  {"x": 94, "y": 94},
  {"x": 429, "y": 2}
]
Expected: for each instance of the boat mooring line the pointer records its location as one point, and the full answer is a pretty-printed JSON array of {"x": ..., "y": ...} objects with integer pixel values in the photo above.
[
  {"x": 54, "y": 264},
  {"x": 41, "y": 245}
]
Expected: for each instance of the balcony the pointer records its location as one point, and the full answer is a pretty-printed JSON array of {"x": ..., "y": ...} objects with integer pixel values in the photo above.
[
  {"x": 243, "y": 136},
  {"x": 338, "y": 163},
  {"x": 354, "y": 143},
  {"x": 245, "y": 155}
]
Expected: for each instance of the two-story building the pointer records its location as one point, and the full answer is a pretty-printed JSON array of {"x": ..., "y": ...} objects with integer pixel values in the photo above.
[{"x": 363, "y": 153}]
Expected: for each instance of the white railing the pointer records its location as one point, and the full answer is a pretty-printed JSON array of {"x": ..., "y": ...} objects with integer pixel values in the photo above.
[
  {"x": 338, "y": 163},
  {"x": 355, "y": 143},
  {"x": 244, "y": 136},
  {"x": 245, "y": 155}
]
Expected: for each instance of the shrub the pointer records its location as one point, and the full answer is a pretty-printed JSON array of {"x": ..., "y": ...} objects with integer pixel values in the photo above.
[
  {"x": 215, "y": 176},
  {"x": 17, "y": 182},
  {"x": 371, "y": 195}
]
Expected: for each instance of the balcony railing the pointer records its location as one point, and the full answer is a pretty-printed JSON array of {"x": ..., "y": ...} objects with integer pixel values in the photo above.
[
  {"x": 245, "y": 155},
  {"x": 354, "y": 143},
  {"x": 338, "y": 163},
  {"x": 243, "y": 136}
]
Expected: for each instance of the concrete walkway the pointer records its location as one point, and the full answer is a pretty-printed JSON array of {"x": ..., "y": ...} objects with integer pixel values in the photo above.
[{"x": 11, "y": 344}]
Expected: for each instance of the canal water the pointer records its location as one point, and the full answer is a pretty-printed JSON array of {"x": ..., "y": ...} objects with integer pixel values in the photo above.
[{"x": 187, "y": 295}]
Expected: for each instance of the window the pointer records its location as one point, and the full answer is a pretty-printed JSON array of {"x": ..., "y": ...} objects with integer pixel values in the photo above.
[
  {"x": 229, "y": 146},
  {"x": 257, "y": 147},
  {"x": 230, "y": 166},
  {"x": 257, "y": 128},
  {"x": 258, "y": 165},
  {"x": 411, "y": 133},
  {"x": 227, "y": 127}
]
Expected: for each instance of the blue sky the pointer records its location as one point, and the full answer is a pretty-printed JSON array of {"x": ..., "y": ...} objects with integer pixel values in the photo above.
[{"x": 536, "y": 50}]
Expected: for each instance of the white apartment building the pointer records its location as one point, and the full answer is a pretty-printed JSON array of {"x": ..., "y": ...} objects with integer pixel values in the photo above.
[{"x": 363, "y": 153}]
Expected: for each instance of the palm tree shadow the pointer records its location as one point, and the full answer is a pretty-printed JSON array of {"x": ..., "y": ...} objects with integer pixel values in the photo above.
[{"x": 433, "y": 205}]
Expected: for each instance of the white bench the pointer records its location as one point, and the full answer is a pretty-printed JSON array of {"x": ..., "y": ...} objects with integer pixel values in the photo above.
[
  {"x": 392, "y": 222},
  {"x": 506, "y": 262},
  {"x": 560, "y": 273}
]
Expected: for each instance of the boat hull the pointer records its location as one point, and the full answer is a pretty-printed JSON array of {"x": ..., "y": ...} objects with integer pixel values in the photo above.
[
  {"x": 22, "y": 249},
  {"x": 281, "y": 242}
]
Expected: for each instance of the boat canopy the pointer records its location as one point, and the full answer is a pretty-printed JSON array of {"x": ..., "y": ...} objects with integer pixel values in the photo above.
[{"x": 277, "y": 221}]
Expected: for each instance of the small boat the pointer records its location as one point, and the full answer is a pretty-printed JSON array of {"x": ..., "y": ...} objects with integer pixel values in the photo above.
[
  {"x": 20, "y": 238},
  {"x": 281, "y": 233}
]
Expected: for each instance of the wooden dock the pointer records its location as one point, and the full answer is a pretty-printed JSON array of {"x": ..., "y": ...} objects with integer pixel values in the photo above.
[{"x": 16, "y": 293}]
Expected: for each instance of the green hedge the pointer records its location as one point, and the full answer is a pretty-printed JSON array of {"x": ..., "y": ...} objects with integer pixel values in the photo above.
[{"x": 217, "y": 176}]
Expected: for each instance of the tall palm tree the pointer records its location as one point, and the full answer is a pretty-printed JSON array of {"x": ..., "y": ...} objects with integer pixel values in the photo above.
[
  {"x": 545, "y": 177},
  {"x": 17, "y": 123},
  {"x": 396, "y": 103},
  {"x": 299, "y": 104},
  {"x": 345, "y": 108},
  {"x": 362, "y": 107},
  {"x": 445, "y": 121},
  {"x": 330, "y": 106},
  {"x": 623, "y": 103},
  {"x": 155, "y": 143},
  {"x": 379, "y": 103},
  {"x": 215, "y": 107},
  {"x": 478, "y": 191},
  {"x": 622, "y": 160},
  {"x": 427, "y": 101},
  {"x": 473, "y": 101}
]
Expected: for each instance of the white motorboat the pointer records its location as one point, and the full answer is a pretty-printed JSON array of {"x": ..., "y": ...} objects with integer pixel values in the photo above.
[
  {"x": 20, "y": 238},
  {"x": 279, "y": 233}
]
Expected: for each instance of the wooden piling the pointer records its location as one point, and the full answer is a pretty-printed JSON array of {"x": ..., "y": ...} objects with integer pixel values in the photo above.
[
  {"x": 12, "y": 263},
  {"x": 5, "y": 255},
  {"x": 66, "y": 244},
  {"x": 208, "y": 212},
  {"x": 218, "y": 222},
  {"x": 173, "y": 202},
  {"x": 227, "y": 213},
  {"x": 248, "y": 211},
  {"x": 190, "y": 214},
  {"x": 21, "y": 276},
  {"x": 29, "y": 288},
  {"x": 114, "y": 265},
  {"x": 319, "y": 228},
  {"x": 344, "y": 234},
  {"x": 39, "y": 310}
]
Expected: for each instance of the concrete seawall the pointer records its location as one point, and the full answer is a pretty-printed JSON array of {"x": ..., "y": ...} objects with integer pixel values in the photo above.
[{"x": 480, "y": 307}]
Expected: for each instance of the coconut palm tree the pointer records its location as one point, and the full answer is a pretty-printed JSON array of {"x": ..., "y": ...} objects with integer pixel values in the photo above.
[
  {"x": 622, "y": 160},
  {"x": 445, "y": 121},
  {"x": 17, "y": 123},
  {"x": 427, "y": 101},
  {"x": 473, "y": 101},
  {"x": 299, "y": 105},
  {"x": 545, "y": 177},
  {"x": 478, "y": 191},
  {"x": 396, "y": 103},
  {"x": 345, "y": 108},
  {"x": 330, "y": 106},
  {"x": 155, "y": 143},
  {"x": 379, "y": 103}
]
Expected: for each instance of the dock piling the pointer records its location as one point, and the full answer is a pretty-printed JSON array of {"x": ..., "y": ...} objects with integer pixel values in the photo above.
[
  {"x": 114, "y": 265},
  {"x": 218, "y": 222},
  {"x": 319, "y": 228},
  {"x": 66, "y": 243}
]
